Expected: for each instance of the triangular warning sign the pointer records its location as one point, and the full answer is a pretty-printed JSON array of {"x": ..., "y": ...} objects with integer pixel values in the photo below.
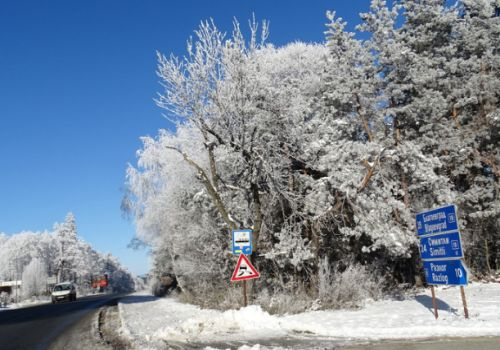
[{"x": 244, "y": 270}]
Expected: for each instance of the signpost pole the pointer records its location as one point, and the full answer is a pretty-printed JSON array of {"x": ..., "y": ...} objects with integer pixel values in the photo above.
[
  {"x": 244, "y": 271},
  {"x": 245, "y": 293},
  {"x": 441, "y": 250},
  {"x": 466, "y": 311},
  {"x": 434, "y": 304},
  {"x": 242, "y": 245}
]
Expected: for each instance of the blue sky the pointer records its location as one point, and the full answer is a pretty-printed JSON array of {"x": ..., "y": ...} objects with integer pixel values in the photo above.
[{"x": 77, "y": 82}]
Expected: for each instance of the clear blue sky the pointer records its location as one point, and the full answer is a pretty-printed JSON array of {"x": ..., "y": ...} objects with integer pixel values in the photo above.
[{"x": 77, "y": 82}]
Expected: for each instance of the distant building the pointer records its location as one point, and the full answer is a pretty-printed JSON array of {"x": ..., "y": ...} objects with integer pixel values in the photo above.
[{"x": 10, "y": 286}]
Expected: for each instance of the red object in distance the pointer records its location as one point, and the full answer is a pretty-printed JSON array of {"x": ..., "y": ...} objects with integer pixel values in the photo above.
[{"x": 100, "y": 281}]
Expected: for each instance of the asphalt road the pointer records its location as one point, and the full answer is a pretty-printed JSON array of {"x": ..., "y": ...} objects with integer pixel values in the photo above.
[{"x": 37, "y": 326}]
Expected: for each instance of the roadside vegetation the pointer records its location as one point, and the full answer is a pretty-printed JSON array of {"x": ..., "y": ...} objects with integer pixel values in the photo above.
[{"x": 327, "y": 151}]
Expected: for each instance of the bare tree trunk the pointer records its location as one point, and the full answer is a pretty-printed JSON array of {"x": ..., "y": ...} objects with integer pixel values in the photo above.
[
  {"x": 211, "y": 157},
  {"x": 363, "y": 117},
  {"x": 368, "y": 175},
  {"x": 406, "y": 195},
  {"x": 214, "y": 194},
  {"x": 257, "y": 214},
  {"x": 370, "y": 171},
  {"x": 404, "y": 179},
  {"x": 454, "y": 115}
]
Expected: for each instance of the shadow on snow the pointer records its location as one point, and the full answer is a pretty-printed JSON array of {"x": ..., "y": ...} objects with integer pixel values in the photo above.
[{"x": 426, "y": 301}]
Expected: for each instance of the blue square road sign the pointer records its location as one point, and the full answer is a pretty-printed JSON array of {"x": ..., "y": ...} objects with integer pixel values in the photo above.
[{"x": 242, "y": 242}]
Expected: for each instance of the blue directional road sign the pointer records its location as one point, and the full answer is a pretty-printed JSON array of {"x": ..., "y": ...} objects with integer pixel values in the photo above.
[
  {"x": 242, "y": 242},
  {"x": 441, "y": 246},
  {"x": 437, "y": 220},
  {"x": 445, "y": 272}
]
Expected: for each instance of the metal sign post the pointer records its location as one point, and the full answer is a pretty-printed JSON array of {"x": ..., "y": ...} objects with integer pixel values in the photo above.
[
  {"x": 244, "y": 271},
  {"x": 245, "y": 299},
  {"x": 434, "y": 304},
  {"x": 464, "y": 302},
  {"x": 242, "y": 245},
  {"x": 441, "y": 251}
]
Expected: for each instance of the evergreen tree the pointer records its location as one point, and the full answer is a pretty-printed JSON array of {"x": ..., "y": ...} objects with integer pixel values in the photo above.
[{"x": 67, "y": 237}]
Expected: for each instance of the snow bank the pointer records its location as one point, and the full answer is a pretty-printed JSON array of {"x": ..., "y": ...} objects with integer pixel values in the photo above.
[
  {"x": 152, "y": 322},
  {"x": 26, "y": 303}
]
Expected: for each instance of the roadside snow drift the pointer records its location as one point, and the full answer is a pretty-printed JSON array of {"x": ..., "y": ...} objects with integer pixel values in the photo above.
[{"x": 152, "y": 322}]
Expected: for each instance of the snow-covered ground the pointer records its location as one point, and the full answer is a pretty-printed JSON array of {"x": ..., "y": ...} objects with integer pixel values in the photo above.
[
  {"x": 35, "y": 301},
  {"x": 26, "y": 303},
  {"x": 151, "y": 322}
]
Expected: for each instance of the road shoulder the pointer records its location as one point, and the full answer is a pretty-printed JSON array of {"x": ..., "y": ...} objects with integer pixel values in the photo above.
[{"x": 98, "y": 330}]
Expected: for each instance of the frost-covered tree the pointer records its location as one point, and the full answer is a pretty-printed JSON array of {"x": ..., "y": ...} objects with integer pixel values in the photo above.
[
  {"x": 34, "y": 256},
  {"x": 431, "y": 70},
  {"x": 357, "y": 210},
  {"x": 475, "y": 97},
  {"x": 244, "y": 129},
  {"x": 34, "y": 279},
  {"x": 67, "y": 237},
  {"x": 327, "y": 151},
  {"x": 17, "y": 252},
  {"x": 120, "y": 280},
  {"x": 184, "y": 229}
]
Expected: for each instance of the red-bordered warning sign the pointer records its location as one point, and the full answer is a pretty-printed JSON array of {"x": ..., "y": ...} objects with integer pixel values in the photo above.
[{"x": 244, "y": 270}]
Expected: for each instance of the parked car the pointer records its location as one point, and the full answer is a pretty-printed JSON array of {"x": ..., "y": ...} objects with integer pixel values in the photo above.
[{"x": 63, "y": 291}]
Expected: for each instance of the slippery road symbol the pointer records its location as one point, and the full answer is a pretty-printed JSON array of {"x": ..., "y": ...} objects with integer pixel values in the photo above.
[{"x": 244, "y": 270}]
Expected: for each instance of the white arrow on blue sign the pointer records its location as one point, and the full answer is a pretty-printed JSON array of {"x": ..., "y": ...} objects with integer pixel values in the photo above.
[
  {"x": 451, "y": 272},
  {"x": 437, "y": 220},
  {"x": 441, "y": 246}
]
